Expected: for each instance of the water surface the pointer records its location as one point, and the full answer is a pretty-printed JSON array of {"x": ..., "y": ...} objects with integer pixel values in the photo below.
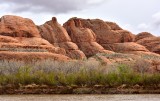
[{"x": 147, "y": 97}]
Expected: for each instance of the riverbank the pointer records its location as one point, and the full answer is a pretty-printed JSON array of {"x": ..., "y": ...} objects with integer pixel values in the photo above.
[
  {"x": 76, "y": 78},
  {"x": 97, "y": 89}
]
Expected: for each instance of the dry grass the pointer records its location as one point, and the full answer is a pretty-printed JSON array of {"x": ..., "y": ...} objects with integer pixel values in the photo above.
[
  {"x": 23, "y": 50},
  {"x": 82, "y": 73}
]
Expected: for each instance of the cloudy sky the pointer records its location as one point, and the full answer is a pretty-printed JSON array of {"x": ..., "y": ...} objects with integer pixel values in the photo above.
[{"x": 133, "y": 15}]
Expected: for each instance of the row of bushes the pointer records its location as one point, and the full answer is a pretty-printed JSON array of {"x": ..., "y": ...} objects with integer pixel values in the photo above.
[{"x": 81, "y": 73}]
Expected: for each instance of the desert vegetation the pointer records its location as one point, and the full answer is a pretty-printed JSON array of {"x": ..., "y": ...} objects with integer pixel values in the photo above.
[
  {"x": 23, "y": 50},
  {"x": 79, "y": 73}
]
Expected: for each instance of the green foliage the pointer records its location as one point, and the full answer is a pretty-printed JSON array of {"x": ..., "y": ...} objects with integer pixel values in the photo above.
[
  {"x": 81, "y": 75},
  {"x": 40, "y": 77}
]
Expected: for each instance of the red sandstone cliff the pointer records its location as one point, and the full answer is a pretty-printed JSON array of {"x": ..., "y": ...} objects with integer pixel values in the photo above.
[
  {"x": 78, "y": 38},
  {"x": 20, "y": 38},
  {"x": 53, "y": 32}
]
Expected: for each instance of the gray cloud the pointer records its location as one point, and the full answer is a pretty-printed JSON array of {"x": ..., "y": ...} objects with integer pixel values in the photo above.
[{"x": 50, "y": 6}]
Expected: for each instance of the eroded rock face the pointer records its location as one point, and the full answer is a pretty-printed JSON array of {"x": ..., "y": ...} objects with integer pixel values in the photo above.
[
  {"x": 156, "y": 49},
  {"x": 16, "y": 26},
  {"x": 106, "y": 32},
  {"x": 151, "y": 42},
  {"x": 19, "y": 38},
  {"x": 114, "y": 26},
  {"x": 85, "y": 38},
  {"x": 29, "y": 56},
  {"x": 54, "y": 32},
  {"x": 143, "y": 35},
  {"x": 58, "y": 36},
  {"x": 126, "y": 47}
]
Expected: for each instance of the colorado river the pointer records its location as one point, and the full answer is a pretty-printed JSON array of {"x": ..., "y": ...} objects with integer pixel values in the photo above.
[{"x": 147, "y": 97}]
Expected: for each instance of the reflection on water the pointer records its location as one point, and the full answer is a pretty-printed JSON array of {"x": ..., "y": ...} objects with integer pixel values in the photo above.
[{"x": 147, "y": 97}]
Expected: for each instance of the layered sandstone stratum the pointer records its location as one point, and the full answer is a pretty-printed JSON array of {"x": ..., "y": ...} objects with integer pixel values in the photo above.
[{"x": 21, "y": 39}]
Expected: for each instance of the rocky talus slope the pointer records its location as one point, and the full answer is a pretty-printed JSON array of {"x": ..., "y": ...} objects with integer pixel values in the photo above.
[{"x": 21, "y": 39}]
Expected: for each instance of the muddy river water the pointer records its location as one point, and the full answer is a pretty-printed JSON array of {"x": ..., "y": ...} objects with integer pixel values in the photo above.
[{"x": 143, "y": 97}]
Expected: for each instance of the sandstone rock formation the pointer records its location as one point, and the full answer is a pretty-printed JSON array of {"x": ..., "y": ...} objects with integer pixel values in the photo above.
[
  {"x": 151, "y": 42},
  {"x": 15, "y": 26},
  {"x": 20, "y": 35},
  {"x": 143, "y": 35},
  {"x": 113, "y": 26},
  {"x": 85, "y": 38},
  {"x": 106, "y": 32},
  {"x": 126, "y": 47},
  {"x": 29, "y": 56},
  {"x": 58, "y": 36},
  {"x": 156, "y": 49}
]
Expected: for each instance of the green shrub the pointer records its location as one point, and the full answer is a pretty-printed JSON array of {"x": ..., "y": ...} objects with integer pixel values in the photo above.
[{"x": 79, "y": 73}]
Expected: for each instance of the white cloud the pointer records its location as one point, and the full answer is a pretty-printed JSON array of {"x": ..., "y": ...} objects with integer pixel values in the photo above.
[
  {"x": 127, "y": 27},
  {"x": 153, "y": 26},
  {"x": 143, "y": 26},
  {"x": 156, "y": 16},
  {"x": 94, "y": 1},
  {"x": 156, "y": 20}
]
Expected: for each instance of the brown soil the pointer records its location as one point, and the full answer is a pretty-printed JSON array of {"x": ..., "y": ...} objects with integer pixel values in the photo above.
[{"x": 97, "y": 89}]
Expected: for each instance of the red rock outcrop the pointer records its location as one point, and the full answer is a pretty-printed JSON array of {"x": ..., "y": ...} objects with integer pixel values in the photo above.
[
  {"x": 16, "y": 26},
  {"x": 85, "y": 38},
  {"x": 143, "y": 35},
  {"x": 156, "y": 49},
  {"x": 113, "y": 26},
  {"x": 54, "y": 32},
  {"x": 126, "y": 47},
  {"x": 58, "y": 36},
  {"x": 151, "y": 42},
  {"x": 29, "y": 56},
  {"x": 20, "y": 37},
  {"x": 106, "y": 32}
]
